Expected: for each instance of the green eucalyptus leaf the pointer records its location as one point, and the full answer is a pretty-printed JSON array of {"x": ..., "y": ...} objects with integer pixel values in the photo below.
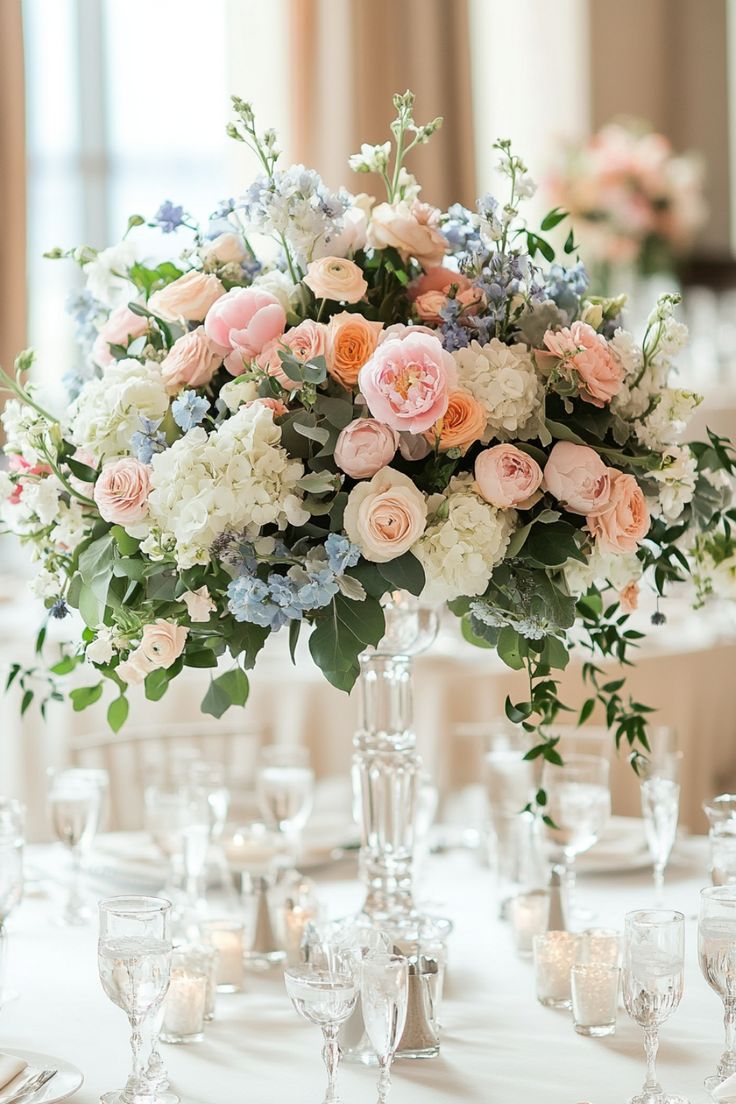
[
  {"x": 117, "y": 713},
  {"x": 404, "y": 573}
]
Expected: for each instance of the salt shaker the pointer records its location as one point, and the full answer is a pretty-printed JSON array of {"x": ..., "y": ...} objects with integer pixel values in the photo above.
[
  {"x": 556, "y": 916},
  {"x": 263, "y": 949},
  {"x": 420, "y": 1038}
]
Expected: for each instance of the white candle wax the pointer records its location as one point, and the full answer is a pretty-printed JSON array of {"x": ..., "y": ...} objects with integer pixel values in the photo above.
[
  {"x": 252, "y": 855},
  {"x": 296, "y": 921},
  {"x": 594, "y": 998},
  {"x": 184, "y": 1004},
  {"x": 227, "y": 938}
]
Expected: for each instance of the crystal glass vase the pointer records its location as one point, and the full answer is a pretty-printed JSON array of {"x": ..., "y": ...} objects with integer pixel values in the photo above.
[{"x": 386, "y": 767}]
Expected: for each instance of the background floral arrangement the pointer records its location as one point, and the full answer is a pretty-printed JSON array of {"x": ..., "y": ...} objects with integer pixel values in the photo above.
[
  {"x": 397, "y": 398},
  {"x": 632, "y": 200}
]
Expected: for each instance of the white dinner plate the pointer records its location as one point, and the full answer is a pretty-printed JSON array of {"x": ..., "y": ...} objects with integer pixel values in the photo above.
[
  {"x": 622, "y": 849},
  {"x": 65, "y": 1083}
]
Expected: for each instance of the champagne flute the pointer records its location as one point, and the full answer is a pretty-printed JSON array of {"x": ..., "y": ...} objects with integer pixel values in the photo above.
[
  {"x": 134, "y": 961},
  {"x": 75, "y": 800},
  {"x": 652, "y": 977},
  {"x": 579, "y": 804},
  {"x": 324, "y": 991},
  {"x": 384, "y": 988},
  {"x": 717, "y": 957},
  {"x": 12, "y": 818},
  {"x": 285, "y": 789},
  {"x": 660, "y": 805}
]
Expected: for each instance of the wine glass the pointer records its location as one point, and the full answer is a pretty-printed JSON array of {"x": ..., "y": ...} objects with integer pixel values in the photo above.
[
  {"x": 285, "y": 789},
  {"x": 579, "y": 805},
  {"x": 12, "y": 818},
  {"x": 652, "y": 979},
  {"x": 384, "y": 987},
  {"x": 75, "y": 801},
  {"x": 717, "y": 957},
  {"x": 134, "y": 961},
  {"x": 207, "y": 776},
  {"x": 660, "y": 805},
  {"x": 324, "y": 991}
]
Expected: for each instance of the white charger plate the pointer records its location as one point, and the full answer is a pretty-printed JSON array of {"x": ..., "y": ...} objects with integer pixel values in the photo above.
[
  {"x": 622, "y": 849},
  {"x": 65, "y": 1083}
]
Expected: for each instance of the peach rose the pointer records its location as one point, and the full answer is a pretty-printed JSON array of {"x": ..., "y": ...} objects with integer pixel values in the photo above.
[
  {"x": 625, "y": 521},
  {"x": 385, "y": 516},
  {"x": 306, "y": 341},
  {"x": 225, "y": 249},
  {"x": 163, "y": 642},
  {"x": 276, "y": 405},
  {"x": 629, "y": 597},
  {"x": 121, "y": 491},
  {"x": 134, "y": 669},
  {"x": 577, "y": 477},
  {"x": 244, "y": 321},
  {"x": 336, "y": 278},
  {"x": 463, "y": 422},
  {"x": 407, "y": 382},
  {"x": 351, "y": 341},
  {"x": 507, "y": 477},
  {"x": 190, "y": 297},
  {"x": 431, "y": 292},
  {"x": 600, "y": 374},
  {"x": 122, "y": 327},
  {"x": 409, "y": 228},
  {"x": 364, "y": 447},
  {"x": 191, "y": 361}
]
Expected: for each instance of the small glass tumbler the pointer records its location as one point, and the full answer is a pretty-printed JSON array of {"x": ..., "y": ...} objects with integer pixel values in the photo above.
[
  {"x": 205, "y": 960},
  {"x": 594, "y": 998},
  {"x": 554, "y": 956},
  {"x": 185, "y": 1001},
  {"x": 227, "y": 937},
  {"x": 529, "y": 915},
  {"x": 599, "y": 947}
]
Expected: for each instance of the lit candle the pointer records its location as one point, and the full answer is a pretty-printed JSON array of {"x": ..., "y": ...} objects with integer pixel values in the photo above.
[
  {"x": 184, "y": 1008},
  {"x": 600, "y": 946},
  {"x": 226, "y": 936},
  {"x": 252, "y": 849},
  {"x": 204, "y": 959},
  {"x": 594, "y": 998},
  {"x": 529, "y": 913},
  {"x": 554, "y": 955},
  {"x": 295, "y": 923}
]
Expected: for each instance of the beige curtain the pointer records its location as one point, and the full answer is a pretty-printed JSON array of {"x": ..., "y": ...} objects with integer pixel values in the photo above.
[
  {"x": 12, "y": 184},
  {"x": 349, "y": 57}
]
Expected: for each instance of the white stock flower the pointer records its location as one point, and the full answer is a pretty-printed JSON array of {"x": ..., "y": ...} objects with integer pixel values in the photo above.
[
  {"x": 462, "y": 543},
  {"x": 667, "y": 422},
  {"x": 46, "y": 584},
  {"x": 677, "y": 477},
  {"x": 102, "y": 648},
  {"x": 371, "y": 158},
  {"x": 107, "y": 411},
  {"x": 237, "y": 478},
  {"x": 24, "y": 429},
  {"x": 107, "y": 274},
  {"x": 42, "y": 498},
  {"x": 615, "y": 568},
  {"x": 504, "y": 380},
  {"x": 71, "y": 526}
]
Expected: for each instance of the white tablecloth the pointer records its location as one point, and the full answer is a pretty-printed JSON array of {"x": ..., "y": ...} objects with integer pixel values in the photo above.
[{"x": 498, "y": 1044}]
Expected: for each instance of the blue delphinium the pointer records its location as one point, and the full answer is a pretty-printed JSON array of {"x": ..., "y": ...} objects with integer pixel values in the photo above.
[
  {"x": 460, "y": 227},
  {"x": 341, "y": 553},
  {"x": 566, "y": 286},
  {"x": 248, "y": 600},
  {"x": 148, "y": 439},
  {"x": 188, "y": 410},
  {"x": 169, "y": 216}
]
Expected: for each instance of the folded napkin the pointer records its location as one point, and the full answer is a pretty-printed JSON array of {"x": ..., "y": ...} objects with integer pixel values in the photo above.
[
  {"x": 10, "y": 1068},
  {"x": 726, "y": 1091}
]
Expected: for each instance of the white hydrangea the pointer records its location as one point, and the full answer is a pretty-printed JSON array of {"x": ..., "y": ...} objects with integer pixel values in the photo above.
[
  {"x": 71, "y": 526},
  {"x": 464, "y": 540},
  {"x": 107, "y": 274},
  {"x": 237, "y": 478},
  {"x": 668, "y": 420},
  {"x": 234, "y": 393},
  {"x": 677, "y": 477},
  {"x": 41, "y": 497},
  {"x": 107, "y": 411},
  {"x": 280, "y": 285},
  {"x": 613, "y": 568},
  {"x": 504, "y": 380},
  {"x": 633, "y": 398}
]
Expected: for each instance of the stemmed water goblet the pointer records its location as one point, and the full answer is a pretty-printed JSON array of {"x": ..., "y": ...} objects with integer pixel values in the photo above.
[
  {"x": 717, "y": 957},
  {"x": 324, "y": 991},
  {"x": 660, "y": 806},
  {"x": 652, "y": 980},
  {"x": 285, "y": 788},
  {"x": 75, "y": 800},
  {"x": 134, "y": 961},
  {"x": 578, "y": 805},
  {"x": 12, "y": 816},
  {"x": 384, "y": 986}
]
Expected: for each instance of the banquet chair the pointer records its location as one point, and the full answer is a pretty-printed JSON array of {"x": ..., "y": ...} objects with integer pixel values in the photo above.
[{"x": 136, "y": 757}]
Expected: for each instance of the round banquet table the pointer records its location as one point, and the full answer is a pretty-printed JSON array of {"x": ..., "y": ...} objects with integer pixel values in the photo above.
[{"x": 498, "y": 1044}]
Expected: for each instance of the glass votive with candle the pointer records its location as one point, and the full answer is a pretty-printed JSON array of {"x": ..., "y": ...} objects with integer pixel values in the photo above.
[
  {"x": 594, "y": 988},
  {"x": 205, "y": 959},
  {"x": 529, "y": 913},
  {"x": 227, "y": 937},
  {"x": 186, "y": 997},
  {"x": 554, "y": 956},
  {"x": 599, "y": 946}
]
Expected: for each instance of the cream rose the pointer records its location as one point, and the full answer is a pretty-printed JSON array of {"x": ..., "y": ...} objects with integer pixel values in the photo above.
[
  {"x": 411, "y": 229},
  {"x": 385, "y": 516},
  {"x": 189, "y": 297},
  {"x": 191, "y": 362},
  {"x": 364, "y": 447},
  {"x": 121, "y": 491},
  {"x": 163, "y": 642},
  {"x": 577, "y": 477},
  {"x": 625, "y": 521},
  {"x": 507, "y": 477},
  {"x": 336, "y": 278},
  {"x": 225, "y": 249}
]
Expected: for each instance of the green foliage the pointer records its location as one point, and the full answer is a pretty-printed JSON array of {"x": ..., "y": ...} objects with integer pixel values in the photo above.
[{"x": 342, "y": 632}]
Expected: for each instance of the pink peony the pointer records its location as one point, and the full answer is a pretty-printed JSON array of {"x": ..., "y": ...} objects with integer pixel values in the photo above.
[
  {"x": 578, "y": 478},
  {"x": 412, "y": 229},
  {"x": 191, "y": 362},
  {"x": 507, "y": 477},
  {"x": 120, "y": 329},
  {"x": 625, "y": 521},
  {"x": 244, "y": 321},
  {"x": 600, "y": 374},
  {"x": 407, "y": 382},
  {"x": 364, "y": 447},
  {"x": 121, "y": 491}
]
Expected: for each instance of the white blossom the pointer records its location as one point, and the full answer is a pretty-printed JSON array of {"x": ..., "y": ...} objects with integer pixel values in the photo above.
[
  {"x": 103, "y": 647},
  {"x": 615, "y": 569},
  {"x": 108, "y": 410},
  {"x": 371, "y": 158},
  {"x": 504, "y": 380},
  {"x": 667, "y": 421},
  {"x": 107, "y": 274},
  {"x": 677, "y": 477}
]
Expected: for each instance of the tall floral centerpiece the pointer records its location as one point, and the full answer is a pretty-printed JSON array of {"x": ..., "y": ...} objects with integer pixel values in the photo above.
[{"x": 385, "y": 398}]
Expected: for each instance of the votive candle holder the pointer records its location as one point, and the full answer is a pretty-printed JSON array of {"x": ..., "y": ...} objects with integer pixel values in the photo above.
[
  {"x": 599, "y": 946},
  {"x": 529, "y": 914},
  {"x": 595, "y": 989},
  {"x": 227, "y": 937},
  {"x": 184, "y": 1004},
  {"x": 554, "y": 957}
]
